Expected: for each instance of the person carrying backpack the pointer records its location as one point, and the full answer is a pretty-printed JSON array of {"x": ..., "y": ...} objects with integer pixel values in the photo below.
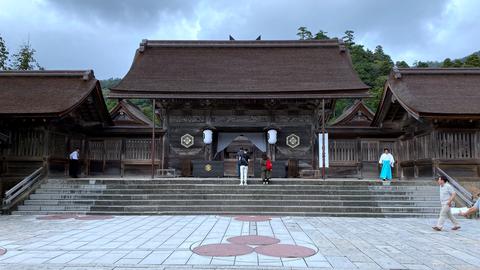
[
  {"x": 266, "y": 169},
  {"x": 243, "y": 168}
]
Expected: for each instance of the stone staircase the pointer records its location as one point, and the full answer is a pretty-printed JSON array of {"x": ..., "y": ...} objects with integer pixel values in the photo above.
[{"x": 193, "y": 196}]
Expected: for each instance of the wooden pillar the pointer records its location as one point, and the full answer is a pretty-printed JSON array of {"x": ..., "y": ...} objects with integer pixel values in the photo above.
[
  {"x": 46, "y": 145},
  {"x": 104, "y": 161},
  {"x": 164, "y": 122},
  {"x": 313, "y": 138},
  {"x": 323, "y": 139},
  {"x": 122, "y": 158},
  {"x": 153, "y": 139},
  {"x": 67, "y": 146},
  {"x": 359, "y": 158}
]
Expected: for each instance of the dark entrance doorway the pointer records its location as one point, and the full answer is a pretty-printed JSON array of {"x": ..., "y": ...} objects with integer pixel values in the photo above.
[{"x": 230, "y": 156}]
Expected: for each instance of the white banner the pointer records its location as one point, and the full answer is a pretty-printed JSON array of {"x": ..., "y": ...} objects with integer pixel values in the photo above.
[{"x": 320, "y": 159}]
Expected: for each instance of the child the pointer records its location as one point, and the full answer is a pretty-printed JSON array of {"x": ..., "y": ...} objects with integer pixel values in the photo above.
[{"x": 266, "y": 169}]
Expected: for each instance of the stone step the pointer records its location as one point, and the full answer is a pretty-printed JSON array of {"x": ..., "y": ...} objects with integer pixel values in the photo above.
[
  {"x": 270, "y": 208},
  {"x": 44, "y": 198},
  {"x": 253, "y": 189},
  {"x": 230, "y": 187},
  {"x": 235, "y": 213},
  {"x": 286, "y": 181},
  {"x": 208, "y": 193},
  {"x": 344, "y": 203},
  {"x": 53, "y": 208},
  {"x": 219, "y": 196}
]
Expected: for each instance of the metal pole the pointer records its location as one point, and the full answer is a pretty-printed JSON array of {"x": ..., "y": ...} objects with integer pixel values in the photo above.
[
  {"x": 153, "y": 138},
  {"x": 323, "y": 139}
]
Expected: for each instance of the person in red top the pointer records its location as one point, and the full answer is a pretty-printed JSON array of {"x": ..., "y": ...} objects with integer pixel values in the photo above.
[{"x": 266, "y": 169}]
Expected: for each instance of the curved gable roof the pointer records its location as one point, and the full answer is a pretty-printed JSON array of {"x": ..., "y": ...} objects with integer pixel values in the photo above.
[
  {"x": 430, "y": 92},
  {"x": 240, "y": 69},
  {"x": 358, "y": 114},
  {"x": 127, "y": 113},
  {"x": 438, "y": 91},
  {"x": 48, "y": 93}
]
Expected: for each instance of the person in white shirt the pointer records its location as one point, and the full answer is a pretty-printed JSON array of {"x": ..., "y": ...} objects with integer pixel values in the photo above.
[
  {"x": 244, "y": 168},
  {"x": 74, "y": 167},
  {"x": 447, "y": 195},
  {"x": 387, "y": 161}
]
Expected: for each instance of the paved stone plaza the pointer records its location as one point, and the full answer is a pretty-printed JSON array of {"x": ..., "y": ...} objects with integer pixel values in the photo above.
[{"x": 168, "y": 242}]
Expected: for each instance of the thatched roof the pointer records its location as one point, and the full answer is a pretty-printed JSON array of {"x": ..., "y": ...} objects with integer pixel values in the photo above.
[
  {"x": 51, "y": 94},
  {"x": 241, "y": 70},
  {"x": 426, "y": 92}
]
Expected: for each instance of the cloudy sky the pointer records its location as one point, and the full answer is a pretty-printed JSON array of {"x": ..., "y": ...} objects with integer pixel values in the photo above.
[{"x": 103, "y": 34}]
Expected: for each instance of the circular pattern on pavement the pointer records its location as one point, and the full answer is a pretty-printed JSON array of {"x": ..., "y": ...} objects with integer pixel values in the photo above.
[
  {"x": 285, "y": 251},
  {"x": 93, "y": 217},
  {"x": 56, "y": 217},
  {"x": 255, "y": 240},
  {"x": 253, "y": 218},
  {"x": 2, "y": 251},
  {"x": 223, "y": 250}
]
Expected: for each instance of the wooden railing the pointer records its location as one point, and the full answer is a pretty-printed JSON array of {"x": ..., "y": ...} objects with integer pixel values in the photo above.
[
  {"x": 21, "y": 188},
  {"x": 463, "y": 194}
]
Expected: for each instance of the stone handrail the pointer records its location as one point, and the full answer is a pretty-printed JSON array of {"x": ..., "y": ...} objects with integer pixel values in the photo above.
[{"x": 463, "y": 194}]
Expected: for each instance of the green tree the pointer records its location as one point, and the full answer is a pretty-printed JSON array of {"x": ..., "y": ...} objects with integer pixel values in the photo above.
[
  {"x": 321, "y": 35},
  {"x": 420, "y": 64},
  {"x": 24, "y": 59},
  {"x": 373, "y": 68},
  {"x": 3, "y": 55},
  {"x": 383, "y": 62},
  {"x": 457, "y": 63},
  {"x": 349, "y": 38},
  {"x": 304, "y": 34},
  {"x": 447, "y": 63},
  {"x": 402, "y": 64},
  {"x": 106, "y": 85},
  {"x": 472, "y": 61}
]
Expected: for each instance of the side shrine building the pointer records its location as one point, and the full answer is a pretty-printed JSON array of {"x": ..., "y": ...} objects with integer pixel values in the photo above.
[{"x": 211, "y": 98}]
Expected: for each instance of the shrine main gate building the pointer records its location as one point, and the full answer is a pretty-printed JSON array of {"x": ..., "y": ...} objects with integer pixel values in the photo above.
[{"x": 214, "y": 97}]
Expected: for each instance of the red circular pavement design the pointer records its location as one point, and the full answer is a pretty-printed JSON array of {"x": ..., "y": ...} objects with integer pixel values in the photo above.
[
  {"x": 2, "y": 251},
  {"x": 223, "y": 250},
  {"x": 93, "y": 217},
  {"x": 255, "y": 240},
  {"x": 253, "y": 218},
  {"x": 285, "y": 251},
  {"x": 56, "y": 217}
]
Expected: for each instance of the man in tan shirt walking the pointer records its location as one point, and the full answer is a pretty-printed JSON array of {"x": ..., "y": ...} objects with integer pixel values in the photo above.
[{"x": 447, "y": 195}]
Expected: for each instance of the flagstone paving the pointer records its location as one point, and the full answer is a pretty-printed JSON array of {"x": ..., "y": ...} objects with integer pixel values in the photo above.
[{"x": 169, "y": 242}]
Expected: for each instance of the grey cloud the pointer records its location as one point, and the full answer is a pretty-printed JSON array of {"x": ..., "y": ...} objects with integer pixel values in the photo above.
[
  {"x": 129, "y": 13},
  {"x": 396, "y": 23},
  {"x": 104, "y": 34}
]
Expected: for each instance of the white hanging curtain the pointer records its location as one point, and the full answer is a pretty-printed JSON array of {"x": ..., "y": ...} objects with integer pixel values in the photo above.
[
  {"x": 258, "y": 139},
  {"x": 226, "y": 138}
]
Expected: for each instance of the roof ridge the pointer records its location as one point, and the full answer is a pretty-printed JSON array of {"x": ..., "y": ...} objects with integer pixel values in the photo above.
[
  {"x": 335, "y": 42},
  {"x": 85, "y": 74},
  {"x": 437, "y": 70}
]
